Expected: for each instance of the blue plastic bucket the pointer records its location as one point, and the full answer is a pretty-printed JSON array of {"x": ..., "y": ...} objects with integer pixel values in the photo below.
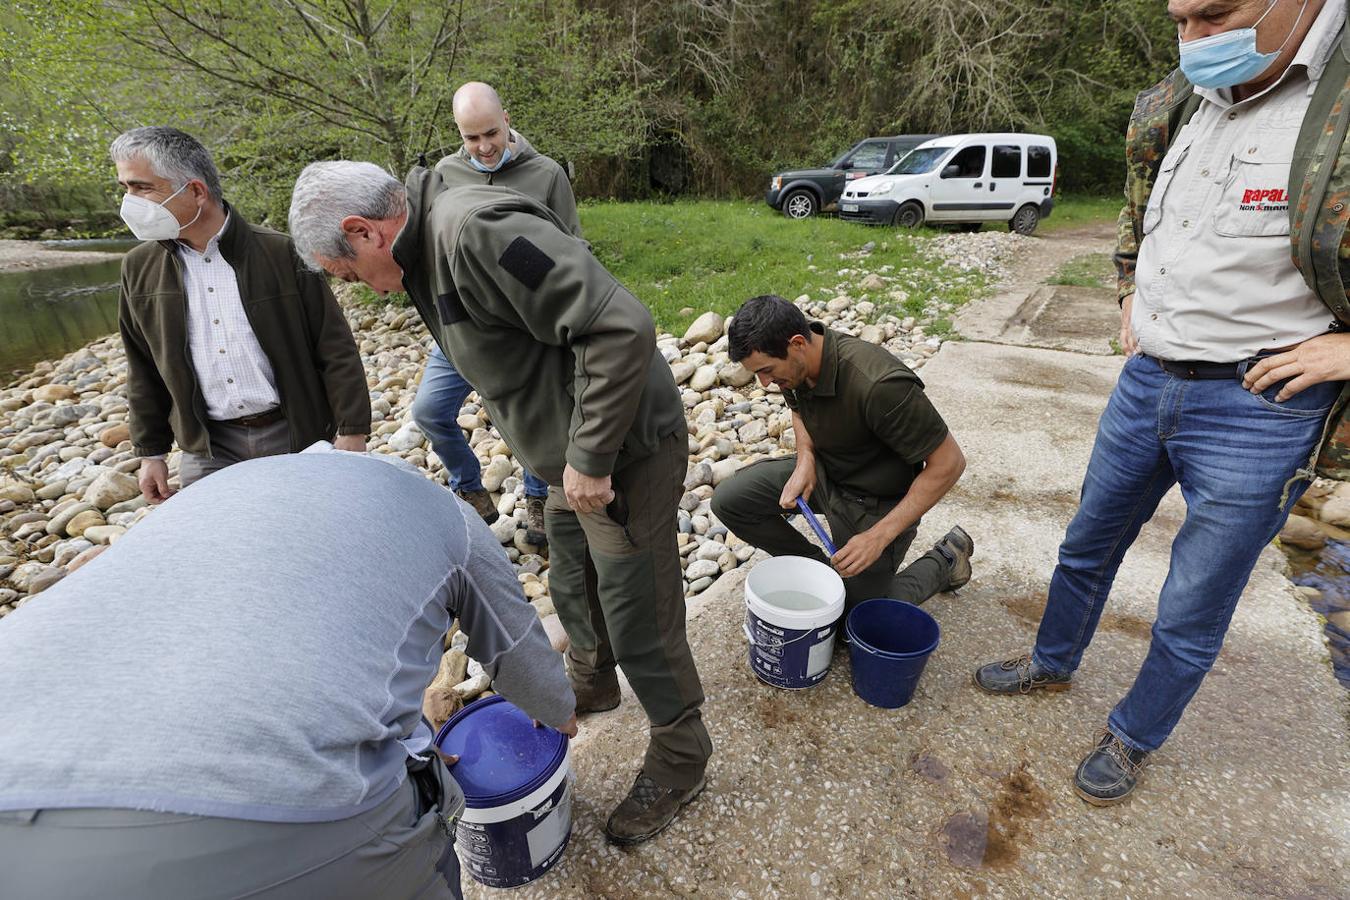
[
  {"x": 517, "y": 784},
  {"x": 792, "y": 610},
  {"x": 890, "y": 642}
]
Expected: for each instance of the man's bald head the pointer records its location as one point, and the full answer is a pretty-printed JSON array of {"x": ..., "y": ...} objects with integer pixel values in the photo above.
[{"x": 483, "y": 124}]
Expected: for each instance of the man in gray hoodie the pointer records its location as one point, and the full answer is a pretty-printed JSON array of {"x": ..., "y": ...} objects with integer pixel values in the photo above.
[
  {"x": 565, "y": 359},
  {"x": 228, "y": 702},
  {"x": 492, "y": 153}
]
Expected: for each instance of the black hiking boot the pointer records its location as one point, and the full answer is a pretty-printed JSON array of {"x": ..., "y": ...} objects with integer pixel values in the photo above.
[
  {"x": 647, "y": 810},
  {"x": 1108, "y": 774},
  {"x": 957, "y": 548},
  {"x": 534, "y": 522},
  {"x": 1019, "y": 676}
]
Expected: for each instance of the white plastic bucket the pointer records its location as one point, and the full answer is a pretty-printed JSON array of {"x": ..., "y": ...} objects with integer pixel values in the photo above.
[{"x": 792, "y": 610}]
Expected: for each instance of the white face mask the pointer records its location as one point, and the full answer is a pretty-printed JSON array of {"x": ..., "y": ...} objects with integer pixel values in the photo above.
[{"x": 150, "y": 221}]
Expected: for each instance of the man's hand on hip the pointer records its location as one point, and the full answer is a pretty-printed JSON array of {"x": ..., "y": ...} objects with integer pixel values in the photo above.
[
  {"x": 154, "y": 480},
  {"x": 1128, "y": 342},
  {"x": 586, "y": 493},
  {"x": 1319, "y": 359}
]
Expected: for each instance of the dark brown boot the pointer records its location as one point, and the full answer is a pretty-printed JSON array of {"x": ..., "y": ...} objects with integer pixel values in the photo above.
[
  {"x": 481, "y": 501},
  {"x": 597, "y": 694},
  {"x": 534, "y": 522},
  {"x": 647, "y": 810}
]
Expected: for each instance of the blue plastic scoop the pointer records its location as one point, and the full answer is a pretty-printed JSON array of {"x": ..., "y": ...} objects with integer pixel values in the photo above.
[{"x": 815, "y": 525}]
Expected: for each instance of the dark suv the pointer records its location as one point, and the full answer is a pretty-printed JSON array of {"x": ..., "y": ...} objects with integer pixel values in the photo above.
[{"x": 802, "y": 193}]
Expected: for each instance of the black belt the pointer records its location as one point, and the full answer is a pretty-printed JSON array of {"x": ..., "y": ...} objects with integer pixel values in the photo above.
[
  {"x": 257, "y": 420},
  {"x": 1207, "y": 371}
]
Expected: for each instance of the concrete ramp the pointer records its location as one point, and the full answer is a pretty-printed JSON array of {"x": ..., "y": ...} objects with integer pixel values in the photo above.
[{"x": 816, "y": 794}]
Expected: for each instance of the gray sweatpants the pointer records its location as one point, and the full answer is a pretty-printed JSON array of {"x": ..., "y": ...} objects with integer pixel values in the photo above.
[
  {"x": 395, "y": 852},
  {"x": 234, "y": 443}
]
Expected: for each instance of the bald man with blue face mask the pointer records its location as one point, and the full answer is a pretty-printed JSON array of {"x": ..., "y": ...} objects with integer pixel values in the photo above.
[
  {"x": 492, "y": 153},
  {"x": 1237, "y": 352}
]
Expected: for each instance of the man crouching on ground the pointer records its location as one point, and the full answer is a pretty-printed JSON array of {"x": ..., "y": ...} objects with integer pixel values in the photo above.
[{"x": 873, "y": 455}]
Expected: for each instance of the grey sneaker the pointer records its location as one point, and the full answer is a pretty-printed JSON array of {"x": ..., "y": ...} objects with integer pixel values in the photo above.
[
  {"x": 534, "y": 522},
  {"x": 647, "y": 810},
  {"x": 1019, "y": 676},
  {"x": 957, "y": 548},
  {"x": 481, "y": 501}
]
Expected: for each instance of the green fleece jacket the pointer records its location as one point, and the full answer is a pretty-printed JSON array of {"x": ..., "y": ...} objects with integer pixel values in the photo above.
[
  {"x": 562, "y": 355},
  {"x": 298, "y": 323},
  {"x": 527, "y": 171}
]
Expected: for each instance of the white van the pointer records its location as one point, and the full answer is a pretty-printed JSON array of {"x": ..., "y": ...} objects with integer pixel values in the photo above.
[{"x": 961, "y": 178}]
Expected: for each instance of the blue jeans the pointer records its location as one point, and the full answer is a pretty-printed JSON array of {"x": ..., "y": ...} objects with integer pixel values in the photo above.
[
  {"x": 436, "y": 409},
  {"x": 1232, "y": 453}
]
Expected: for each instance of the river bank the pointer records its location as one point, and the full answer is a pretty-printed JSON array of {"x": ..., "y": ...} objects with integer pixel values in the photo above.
[
  {"x": 25, "y": 256},
  {"x": 67, "y": 471}
]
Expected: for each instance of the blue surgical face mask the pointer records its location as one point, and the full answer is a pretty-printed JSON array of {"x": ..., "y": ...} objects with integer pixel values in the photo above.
[
  {"x": 506, "y": 156},
  {"x": 1230, "y": 58}
]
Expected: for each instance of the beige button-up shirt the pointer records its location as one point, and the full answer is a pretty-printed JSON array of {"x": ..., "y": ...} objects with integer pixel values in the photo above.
[
  {"x": 233, "y": 373},
  {"x": 1215, "y": 280}
]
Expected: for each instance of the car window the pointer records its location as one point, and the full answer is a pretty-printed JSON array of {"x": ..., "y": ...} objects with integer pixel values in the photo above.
[
  {"x": 918, "y": 162},
  {"x": 871, "y": 155},
  {"x": 1007, "y": 161},
  {"x": 1038, "y": 162},
  {"x": 970, "y": 161}
]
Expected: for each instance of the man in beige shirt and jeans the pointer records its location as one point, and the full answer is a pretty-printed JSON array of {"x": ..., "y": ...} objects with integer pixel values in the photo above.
[{"x": 1230, "y": 376}]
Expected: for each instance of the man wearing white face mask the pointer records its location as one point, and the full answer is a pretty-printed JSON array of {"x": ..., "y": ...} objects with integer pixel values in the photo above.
[
  {"x": 234, "y": 350},
  {"x": 1232, "y": 264}
]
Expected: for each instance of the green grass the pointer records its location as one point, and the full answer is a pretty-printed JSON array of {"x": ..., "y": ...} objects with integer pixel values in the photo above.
[
  {"x": 707, "y": 254},
  {"x": 1078, "y": 210},
  {"x": 1088, "y": 270}
]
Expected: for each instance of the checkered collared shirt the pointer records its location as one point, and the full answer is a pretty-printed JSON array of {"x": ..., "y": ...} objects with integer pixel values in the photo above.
[{"x": 233, "y": 373}]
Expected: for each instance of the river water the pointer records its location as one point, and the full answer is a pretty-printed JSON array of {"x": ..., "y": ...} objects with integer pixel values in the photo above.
[{"x": 46, "y": 313}]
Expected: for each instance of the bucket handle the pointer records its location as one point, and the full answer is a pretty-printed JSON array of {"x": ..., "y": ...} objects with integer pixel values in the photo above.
[{"x": 749, "y": 636}]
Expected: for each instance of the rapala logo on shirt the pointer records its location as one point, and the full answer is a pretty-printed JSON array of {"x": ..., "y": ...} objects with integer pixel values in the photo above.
[{"x": 1264, "y": 200}]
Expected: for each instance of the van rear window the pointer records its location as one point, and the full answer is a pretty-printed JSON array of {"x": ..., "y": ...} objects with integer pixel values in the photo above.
[
  {"x": 1038, "y": 162},
  {"x": 1007, "y": 161}
]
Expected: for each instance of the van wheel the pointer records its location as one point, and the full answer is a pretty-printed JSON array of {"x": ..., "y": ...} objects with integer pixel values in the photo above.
[
  {"x": 1026, "y": 220},
  {"x": 909, "y": 215},
  {"x": 970, "y": 227},
  {"x": 800, "y": 204}
]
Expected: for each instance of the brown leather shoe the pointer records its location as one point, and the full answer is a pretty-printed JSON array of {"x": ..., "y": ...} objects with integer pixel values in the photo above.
[
  {"x": 647, "y": 810},
  {"x": 534, "y": 522},
  {"x": 598, "y": 694},
  {"x": 481, "y": 501}
]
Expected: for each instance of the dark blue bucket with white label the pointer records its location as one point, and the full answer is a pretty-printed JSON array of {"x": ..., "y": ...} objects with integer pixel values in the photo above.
[
  {"x": 517, "y": 784},
  {"x": 792, "y": 610}
]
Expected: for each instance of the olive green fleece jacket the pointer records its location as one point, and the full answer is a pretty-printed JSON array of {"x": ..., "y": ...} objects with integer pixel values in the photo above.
[
  {"x": 528, "y": 171},
  {"x": 561, "y": 354},
  {"x": 298, "y": 323}
]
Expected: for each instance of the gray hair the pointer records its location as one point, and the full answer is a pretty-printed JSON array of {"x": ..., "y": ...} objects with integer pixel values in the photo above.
[
  {"x": 172, "y": 154},
  {"x": 328, "y": 192}
]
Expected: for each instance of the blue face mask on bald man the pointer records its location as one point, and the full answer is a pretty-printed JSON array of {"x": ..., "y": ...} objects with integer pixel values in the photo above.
[
  {"x": 506, "y": 156},
  {"x": 1230, "y": 58}
]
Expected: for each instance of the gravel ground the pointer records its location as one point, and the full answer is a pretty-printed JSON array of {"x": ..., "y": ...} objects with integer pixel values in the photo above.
[{"x": 19, "y": 256}]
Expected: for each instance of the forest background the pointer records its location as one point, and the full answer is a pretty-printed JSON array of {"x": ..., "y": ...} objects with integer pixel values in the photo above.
[{"x": 645, "y": 99}]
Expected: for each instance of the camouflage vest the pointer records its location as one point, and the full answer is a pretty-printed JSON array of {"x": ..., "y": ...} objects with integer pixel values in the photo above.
[{"x": 1319, "y": 207}]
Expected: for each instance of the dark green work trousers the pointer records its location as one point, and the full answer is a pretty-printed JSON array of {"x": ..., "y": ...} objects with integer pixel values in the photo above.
[
  {"x": 747, "y": 503},
  {"x": 616, "y": 584}
]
